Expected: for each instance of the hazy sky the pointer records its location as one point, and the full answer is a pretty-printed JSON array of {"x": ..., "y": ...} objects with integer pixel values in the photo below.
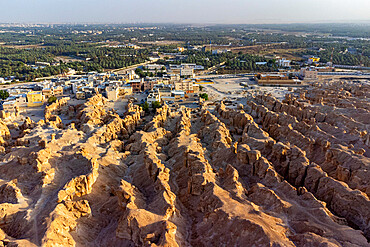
[{"x": 183, "y": 11}]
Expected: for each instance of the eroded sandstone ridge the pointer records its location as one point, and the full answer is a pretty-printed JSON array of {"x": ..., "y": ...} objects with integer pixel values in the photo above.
[{"x": 269, "y": 173}]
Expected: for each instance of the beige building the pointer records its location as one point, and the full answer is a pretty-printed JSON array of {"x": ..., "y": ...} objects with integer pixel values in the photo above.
[
  {"x": 186, "y": 86},
  {"x": 125, "y": 90},
  {"x": 58, "y": 91},
  {"x": 276, "y": 79},
  {"x": 9, "y": 106},
  {"x": 187, "y": 72},
  {"x": 47, "y": 92},
  {"x": 309, "y": 73},
  {"x": 174, "y": 77},
  {"x": 112, "y": 93},
  {"x": 54, "y": 91}
]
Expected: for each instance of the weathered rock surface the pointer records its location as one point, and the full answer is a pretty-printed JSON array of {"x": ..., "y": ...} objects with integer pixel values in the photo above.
[{"x": 268, "y": 173}]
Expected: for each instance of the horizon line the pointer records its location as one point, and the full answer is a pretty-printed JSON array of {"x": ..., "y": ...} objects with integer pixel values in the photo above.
[{"x": 191, "y": 23}]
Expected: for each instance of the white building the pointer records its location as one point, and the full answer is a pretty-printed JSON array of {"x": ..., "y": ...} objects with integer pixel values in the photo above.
[
  {"x": 3, "y": 81},
  {"x": 152, "y": 97},
  {"x": 177, "y": 94},
  {"x": 284, "y": 63}
]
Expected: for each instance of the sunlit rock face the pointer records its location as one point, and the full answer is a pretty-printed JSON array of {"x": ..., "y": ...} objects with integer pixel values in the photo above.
[{"x": 268, "y": 173}]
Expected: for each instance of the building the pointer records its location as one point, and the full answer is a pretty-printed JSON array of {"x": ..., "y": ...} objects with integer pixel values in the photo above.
[
  {"x": 220, "y": 51},
  {"x": 9, "y": 106},
  {"x": 309, "y": 73},
  {"x": 112, "y": 93},
  {"x": 21, "y": 100},
  {"x": 154, "y": 67},
  {"x": 187, "y": 72},
  {"x": 3, "y": 81},
  {"x": 149, "y": 84},
  {"x": 53, "y": 91},
  {"x": 125, "y": 90},
  {"x": 284, "y": 63},
  {"x": 177, "y": 94},
  {"x": 276, "y": 79},
  {"x": 312, "y": 60},
  {"x": 58, "y": 91},
  {"x": 174, "y": 77},
  {"x": 136, "y": 85},
  {"x": 47, "y": 92},
  {"x": 195, "y": 88},
  {"x": 186, "y": 86},
  {"x": 192, "y": 66},
  {"x": 35, "y": 98},
  {"x": 153, "y": 97}
]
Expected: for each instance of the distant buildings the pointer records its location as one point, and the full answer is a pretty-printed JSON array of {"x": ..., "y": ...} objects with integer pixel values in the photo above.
[
  {"x": 53, "y": 91},
  {"x": 148, "y": 84},
  {"x": 9, "y": 106},
  {"x": 3, "y": 81},
  {"x": 125, "y": 89},
  {"x": 220, "y": 51}
]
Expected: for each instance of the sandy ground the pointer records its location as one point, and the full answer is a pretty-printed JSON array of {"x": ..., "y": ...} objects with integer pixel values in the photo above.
[
  {"x": 35, "y": 113},
  {"x": 231, "y": 90},
  {"x": 119, "y": 106}
]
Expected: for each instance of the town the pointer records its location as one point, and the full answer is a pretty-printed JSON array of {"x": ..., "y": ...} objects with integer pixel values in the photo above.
[{"x": 180, "y": 84}]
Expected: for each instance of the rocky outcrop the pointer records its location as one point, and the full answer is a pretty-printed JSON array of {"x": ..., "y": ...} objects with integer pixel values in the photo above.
[
  {"x": 92, "y": 112},
  {"x": 56, "y": 108},
  {"x": 268, "y": 173}
]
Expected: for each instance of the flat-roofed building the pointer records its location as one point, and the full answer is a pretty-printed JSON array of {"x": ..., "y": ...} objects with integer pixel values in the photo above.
[
  {"x": 309, "y": 73},
  {"x": 35, "y": 98},
  {"x": 276, "y": 79},
  {"x": 21, "y": 100},
  {"x": 47, "y": 92},
  {"x": 80, "y": 95},
  {"x": 136, "y": 85},
  {"x": 58, "y": 91},
  {"x": 149, "y": 84},
  {"x": 9, "y": 106},
  {"x": 284, "y": 62},
  {"x": 112, "y": 93},
  {"x": 153, "y": 97},
  {"x": 178, "y": 94},
  {"x": 125, "y": 90},
  {"x": 186, "y": 86},
  {"x": 187, "y": 72}
]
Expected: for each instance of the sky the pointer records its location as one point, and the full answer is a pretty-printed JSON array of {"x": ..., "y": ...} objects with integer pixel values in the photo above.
[{"x": 183, "y": 11}]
